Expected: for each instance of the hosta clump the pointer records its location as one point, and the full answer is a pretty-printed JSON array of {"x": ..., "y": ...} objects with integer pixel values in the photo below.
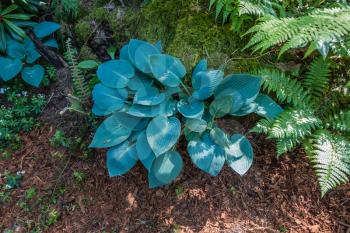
[
  {"x": 148, "y": 107},
  {"x": 21, "y": 55}
]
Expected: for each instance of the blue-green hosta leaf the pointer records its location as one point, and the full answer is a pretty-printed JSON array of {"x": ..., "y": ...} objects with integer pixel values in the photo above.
[
  {"x": 191, "y": 135},
  {"x": 149, "y": 96},
  {"x": 115, "y": 73},
  {"x": 240, "y": 158},
  {"x": 168, "y": 107},
  {"x": 237, "y": 99},
  {"x": 144, "y": 151},
  {"x": 10, "y": 68},
  {"x": 246, "y": 110},
  {"x": 159, "y": 46},
  {"x": 99, "y": 111},
  {"x": 33, "y": 75},
  {"x": 247, "y": 86},
  {"x": 267, "y": 107},
  {"x": 192, "y": 109},
  {"x": 15, "y": 50},
  {"x": 144, "y": 111},
  {"x": 124, "y": 53},
  {"x": 109, "y": 99},
  {"x": 28, "y": 43},
  {"x": 167, "y": 167},
  {"x": 131, "y": 122},
  {"x": 51, "y": 43},
  {"x": 163, "y": 133},
  {"x": 32, "y": 56},
  {"x": 152, "y": 181},
  {"x": 110, "y": 133},
  {"x": 196, "y": 125},
  {"x": 206, "y": 155},
  {"x": 221, "y": 106},
  {"x": 139, "y": 81},
  {"x": 139, "y": 53},
  {"x": 204, "y": 83},
  {"x": 219, "y": 137},
  {"x": 202, "y": 66},
  {"x": 167, "y": 69},
  {"x": 121, "y": 158},
  {"x": 45, "y": 29}
]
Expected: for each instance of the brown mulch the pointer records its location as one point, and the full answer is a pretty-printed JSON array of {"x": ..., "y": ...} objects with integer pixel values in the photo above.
[{"x": 275, "y": 195}]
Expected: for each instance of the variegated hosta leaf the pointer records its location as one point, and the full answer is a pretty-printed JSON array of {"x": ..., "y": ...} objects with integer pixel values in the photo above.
[
  {"x": 139, "y": 81},
  {"x": 168, "y": 107},
  {"x": 163, "y": 133},
  {"x": 110, "y": 133},
  {"x": 115, "y": 73},
  {"x": 207, "y": 155},
  {"x": 121, "y": 158},
  {"x": 246, "y": 109},
  {"x": 221, "y": 106},
  {"x": 202, "y": 66},
  {"x": 247, "y": 86},
  {"x": 148, "y": 96},
  {"x": 239, "y": 155},
  {"x": 107, "y": 99},
  {"x": 144, "y": 151},
  {"x": 204, "y": 83},
  {"x": 219, "y": 137},
  {"x": 144, "y": 111},
  {"x": 165, "y": 169},
  {"x": 131, "y": 122},
  {"x": 191, "y": 109},
  {"x": 167, "y": 70},
  {"x": 196, "y": 125},
  {"x": 266, "y": 107},
  {"x": 139, "y": 54}
]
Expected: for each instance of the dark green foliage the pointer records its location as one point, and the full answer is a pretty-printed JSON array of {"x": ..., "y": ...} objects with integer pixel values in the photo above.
[
  {"x": 65, "y": 8},
  {"x": 315, "y": 106},
  {"x": 17, "y": 113}
]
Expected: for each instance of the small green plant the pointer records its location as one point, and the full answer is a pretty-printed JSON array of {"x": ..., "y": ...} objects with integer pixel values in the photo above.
[
  {"x": 79, "y": 176},
  {"x": 179, "y": 190},
  {"x": 21, "y": 55},
  {"x": 59, "y": 140},
  {"x": 52, "y": 218},
  {"x": 318, "y": 119},
  {"x": 30, "y": 193},
  {"x": 144, "y": 98}
]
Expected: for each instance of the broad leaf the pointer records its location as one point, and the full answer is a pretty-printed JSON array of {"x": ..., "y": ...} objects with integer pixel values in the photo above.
[
  {"x": 202, "y": 66},
  {"x": 163, "y": 133},
  {"x": 121, "y": 158},
  {"x": 196, "y": 125},
  {"x": 15, "y": 50},
  {"x": 167, "y": 167},
  {"x": 139, "y": 53},
  {"x": 204, "y": 83},
  {"x": 115, "y": 73},
  {"x": 110, "y": 133},
  {"x": 206, "y": 155},
  {"x": 131, "y": 122},
  {"x": 144, "y": 111},
  {"x": 266, "y": 107},
  {"x": 239, "y": 155},
  {"x": 88, "y": 64},
  {"x": 221, "y": 106},
  {"x": 10, "y": 68},
  {"x": 33, "y": 75},
  {"x": 144, "y": 151},
  {"x": 148, "y": 96},
  {"x": 45, "y": 29},
  {"x": 167, "y": 69},
  {"x": 109, "y": 99},
  {"x": 192, "y": 109}
]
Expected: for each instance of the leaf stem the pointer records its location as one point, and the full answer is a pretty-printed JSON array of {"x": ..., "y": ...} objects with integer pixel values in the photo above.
[{"x": 185, "y": 88}]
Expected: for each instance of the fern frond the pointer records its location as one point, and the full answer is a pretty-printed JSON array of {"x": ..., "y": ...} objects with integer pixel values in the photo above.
[
  {"x": 317, "y": 79},
  {"x": 66, "y": 7},
  {"x": 339, "y": 121},
  {"x": 330, "y": 157},
  {"x": 257, "y": 8},
  {"x": 294, "y": 124},
  {"x": 263, "y": 126},
  {"x": 80, "y": 86},
  {"x": 286, "y": 89},
  {"x": 286, "y": 144},
  {"x": 326, "y": 26}
]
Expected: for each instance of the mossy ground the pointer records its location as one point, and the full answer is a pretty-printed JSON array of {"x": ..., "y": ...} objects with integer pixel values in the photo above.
[{"x": 186, "y": 28}]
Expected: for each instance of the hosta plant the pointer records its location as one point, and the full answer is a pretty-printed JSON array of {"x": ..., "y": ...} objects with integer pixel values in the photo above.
[
  {"x": 21, "y": 55},
  {"x": 148, "y": 107}
]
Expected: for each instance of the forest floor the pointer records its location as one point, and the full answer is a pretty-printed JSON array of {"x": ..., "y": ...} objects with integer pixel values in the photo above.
[{"x": 63, "y": 192}]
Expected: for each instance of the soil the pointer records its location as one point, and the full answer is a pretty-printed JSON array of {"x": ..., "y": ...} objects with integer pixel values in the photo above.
[{"x": 276, "y": 195}]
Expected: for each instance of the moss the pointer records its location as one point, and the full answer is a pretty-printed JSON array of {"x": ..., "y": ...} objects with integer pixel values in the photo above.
[
  {"x": 87, "y": 54},
  {"x": 83, "y": 30}
]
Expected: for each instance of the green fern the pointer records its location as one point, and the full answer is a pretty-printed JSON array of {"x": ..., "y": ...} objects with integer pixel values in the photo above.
[
  {"x": 317, "y": 79},
  {"x": 68, "y": 8},
  {"x": 263, "y": 126},
  {"x": 319, "y": 29},
  {"x": 81, "y": 88},
  {"x": 330, "y": 157},
  {"x": 295, "y": 124},
  {"x": 284, "y": 145},
  {"x": 287, "y": 89},
  {"x": 339, "y": 121}
]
